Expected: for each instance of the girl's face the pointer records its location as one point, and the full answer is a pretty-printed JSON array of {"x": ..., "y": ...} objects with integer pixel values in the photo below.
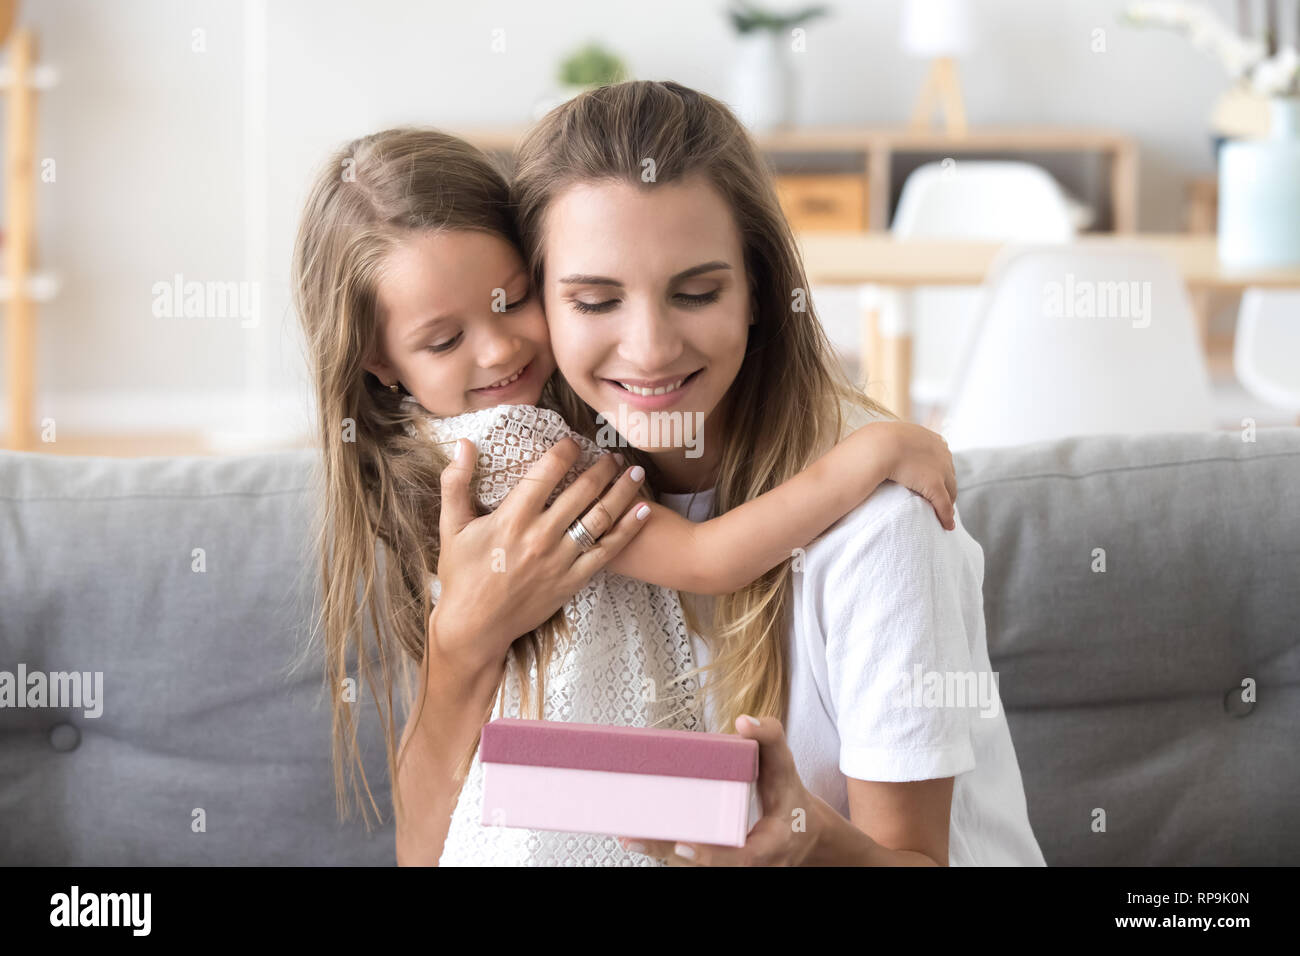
[
  {"x": 648, "y": 304},
  {"x": 459, "y": 325}
]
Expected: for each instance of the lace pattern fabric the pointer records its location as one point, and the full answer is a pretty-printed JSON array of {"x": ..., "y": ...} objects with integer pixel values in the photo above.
[{"x": 623, "y": 665}]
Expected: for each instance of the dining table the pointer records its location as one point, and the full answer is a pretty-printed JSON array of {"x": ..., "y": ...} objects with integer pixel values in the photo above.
[{"x": 878, "y": 259}]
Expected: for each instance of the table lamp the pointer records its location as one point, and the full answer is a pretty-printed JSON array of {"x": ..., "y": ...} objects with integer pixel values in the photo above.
[{"x": 939, "y": 30}]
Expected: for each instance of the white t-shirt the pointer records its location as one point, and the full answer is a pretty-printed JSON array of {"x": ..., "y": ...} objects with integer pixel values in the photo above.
[{"x": 886, "y": 643}]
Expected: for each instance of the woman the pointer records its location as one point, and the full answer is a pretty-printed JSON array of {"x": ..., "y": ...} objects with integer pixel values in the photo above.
[{"x": 631, "y": 200}]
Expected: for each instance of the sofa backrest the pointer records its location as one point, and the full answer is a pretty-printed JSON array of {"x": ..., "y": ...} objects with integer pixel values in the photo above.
[
  {"x": 1123, "y": 687},
  {"x": 204, "y": 716}
]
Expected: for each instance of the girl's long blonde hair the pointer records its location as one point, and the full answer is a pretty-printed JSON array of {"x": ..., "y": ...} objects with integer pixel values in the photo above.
[
  {"x": 787, "y": 404},
  {"x": 379, "y": 501}
]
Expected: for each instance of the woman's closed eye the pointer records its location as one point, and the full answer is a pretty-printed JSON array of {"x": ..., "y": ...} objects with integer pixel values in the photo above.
[
  {"x": 703, "y": 298},
  {"x": 686, "y": 299}
]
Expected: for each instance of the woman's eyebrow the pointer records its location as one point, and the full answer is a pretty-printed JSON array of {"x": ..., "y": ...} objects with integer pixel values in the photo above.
[{"x": 577, "y": 279}]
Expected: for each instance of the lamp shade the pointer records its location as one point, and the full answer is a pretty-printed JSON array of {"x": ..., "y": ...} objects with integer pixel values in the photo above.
[{"x": 934, "y": 28}]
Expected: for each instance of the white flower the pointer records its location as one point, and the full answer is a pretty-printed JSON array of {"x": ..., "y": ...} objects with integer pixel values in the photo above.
[
  {"x": 1167, "y": 13},
  {"x": 1205, "y": 31},
  {"x": 1278, "y": 75}
]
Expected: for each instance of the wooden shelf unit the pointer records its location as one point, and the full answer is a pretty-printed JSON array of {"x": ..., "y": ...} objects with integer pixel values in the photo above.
[
  {"x": 21, "y": 288},
  {"x": 868, "y": 152},
  {"x": 20, "y": 203}
]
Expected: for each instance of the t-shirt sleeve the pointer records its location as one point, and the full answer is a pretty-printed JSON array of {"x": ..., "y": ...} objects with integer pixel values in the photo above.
[{"x": 896, "y": 614}]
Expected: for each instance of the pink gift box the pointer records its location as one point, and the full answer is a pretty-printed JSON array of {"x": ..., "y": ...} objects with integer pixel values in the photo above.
[{"x": 619, "y": 781}]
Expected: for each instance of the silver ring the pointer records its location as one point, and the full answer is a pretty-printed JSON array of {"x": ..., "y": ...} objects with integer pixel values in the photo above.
[{"x": 582, "y": 536}]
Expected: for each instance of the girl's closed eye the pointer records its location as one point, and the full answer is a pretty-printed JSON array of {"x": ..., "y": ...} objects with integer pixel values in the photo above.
[
  {"x": 519, "y": 302},
  {"x": 446, "y": 345}
]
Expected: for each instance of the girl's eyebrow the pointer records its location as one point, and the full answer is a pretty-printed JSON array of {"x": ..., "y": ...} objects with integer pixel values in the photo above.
[
  {"x": 684, "y": 274},
  {"x": 424, "y": 326}
]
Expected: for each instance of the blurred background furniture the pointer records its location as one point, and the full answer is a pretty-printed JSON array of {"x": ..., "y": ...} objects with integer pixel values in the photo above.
[
  {"x": 859, "y": 165},
  {"x": 938, "y": 30},
  {"x": 1266, "y": 353},
  {"x": 1122, "y": 688},
  {"x": 867, "y": 259},
  {"x": 247, "y": 125},
  {"x": 22, "y": 288},
  {"x": 1068, "y": 343},
  {"x": 973, "y": 199}
]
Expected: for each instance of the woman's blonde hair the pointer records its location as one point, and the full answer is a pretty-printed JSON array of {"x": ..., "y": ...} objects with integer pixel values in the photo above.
[
  {"x": 377, "y": 483},
  {"x": 788, "y": 402}
]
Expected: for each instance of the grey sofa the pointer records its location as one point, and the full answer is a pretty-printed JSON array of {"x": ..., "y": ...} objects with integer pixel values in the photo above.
[{"x": 1122, "y": 686}]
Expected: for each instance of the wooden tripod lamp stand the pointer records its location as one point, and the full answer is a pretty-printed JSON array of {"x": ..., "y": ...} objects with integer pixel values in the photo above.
[{"x": 939, "y": 30}]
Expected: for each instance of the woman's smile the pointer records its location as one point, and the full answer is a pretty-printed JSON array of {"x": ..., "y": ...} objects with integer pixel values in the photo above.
[{"x": 655, "y": 393}]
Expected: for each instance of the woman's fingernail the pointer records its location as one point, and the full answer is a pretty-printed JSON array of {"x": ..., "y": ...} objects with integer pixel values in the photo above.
[
  {"x": 642, "y": 513},
  {"x": 682, "y": 850},
  {"x": 637, "y": 473},
  {"x": 752, "y": 722},
  {"x": 634, "y": 847},
  {"x": 460, "y": 450}
]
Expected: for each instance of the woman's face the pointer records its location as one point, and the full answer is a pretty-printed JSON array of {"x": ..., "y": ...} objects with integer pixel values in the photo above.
[
  {"x": 458, "y": 323},
  {"x": 648, "y": 304}
]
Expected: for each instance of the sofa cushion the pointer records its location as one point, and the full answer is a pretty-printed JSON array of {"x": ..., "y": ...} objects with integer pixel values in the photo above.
[
  {"x": 1123, "y": 686},
  {"x": 203, "y": 707}
]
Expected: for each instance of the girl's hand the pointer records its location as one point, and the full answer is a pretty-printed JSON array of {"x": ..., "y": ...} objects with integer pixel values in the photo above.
[
  {"x": 786, "y": 833},
  {"x": 505, "y": 573},
  {"x": 922, "y": 462}
]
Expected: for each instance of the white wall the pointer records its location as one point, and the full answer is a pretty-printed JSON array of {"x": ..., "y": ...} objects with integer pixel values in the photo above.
[{"x": 172, "y": 160}]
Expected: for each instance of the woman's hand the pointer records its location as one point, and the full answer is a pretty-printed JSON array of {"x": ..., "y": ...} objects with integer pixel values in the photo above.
[
  {"x": 922, "y": 462},
  {"x": 505, "y": 573},
  {"x": 786, "y": 835}
]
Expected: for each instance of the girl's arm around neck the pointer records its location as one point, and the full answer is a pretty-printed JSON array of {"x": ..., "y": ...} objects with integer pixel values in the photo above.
[{"x": 731, "y": 551}]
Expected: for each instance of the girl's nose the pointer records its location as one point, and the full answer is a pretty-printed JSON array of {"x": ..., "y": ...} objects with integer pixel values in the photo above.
[{"x": 496, "y": 348}]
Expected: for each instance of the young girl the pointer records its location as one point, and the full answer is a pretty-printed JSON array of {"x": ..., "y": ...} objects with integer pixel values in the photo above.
[{"x": 407, "y": 276}]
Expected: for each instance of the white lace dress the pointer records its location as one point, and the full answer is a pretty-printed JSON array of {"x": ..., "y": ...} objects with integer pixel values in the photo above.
[{"x": 623, "y": 666}]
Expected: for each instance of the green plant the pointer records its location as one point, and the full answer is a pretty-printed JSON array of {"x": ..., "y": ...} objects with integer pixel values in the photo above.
[
  {"x": 593, "y": 65},
  {"x": 747, "y": 17}
]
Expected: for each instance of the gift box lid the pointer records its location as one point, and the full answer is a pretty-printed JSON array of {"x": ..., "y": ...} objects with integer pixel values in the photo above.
[{"x": 674, "y": 753}]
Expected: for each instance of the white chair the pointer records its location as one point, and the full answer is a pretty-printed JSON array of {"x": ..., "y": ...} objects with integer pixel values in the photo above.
[
  {"x": 967, "y": 199},
  {"x": 1080, "y": 340},
  {"x": 1266, "y": 354}
]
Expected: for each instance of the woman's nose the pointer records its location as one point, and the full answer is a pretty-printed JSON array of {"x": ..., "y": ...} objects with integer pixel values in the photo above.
[{"x": 649, "y": 341}]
